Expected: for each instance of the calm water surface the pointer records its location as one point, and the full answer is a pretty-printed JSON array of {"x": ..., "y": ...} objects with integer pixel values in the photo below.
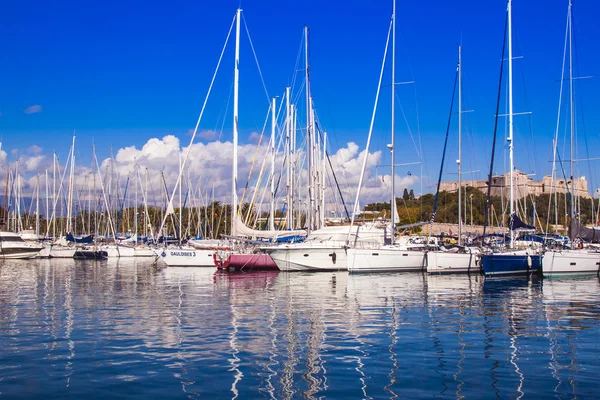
[{"x": 130, "y": 329}]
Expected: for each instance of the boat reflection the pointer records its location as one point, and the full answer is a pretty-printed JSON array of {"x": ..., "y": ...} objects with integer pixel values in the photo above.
[{"x": 199, "y": 332}]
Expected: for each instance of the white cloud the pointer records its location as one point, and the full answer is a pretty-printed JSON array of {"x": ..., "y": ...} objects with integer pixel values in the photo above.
[
  {"x": 33, "y": 163},
  {"x": 254, "y": 138},
  {"x": 34, "y": 149},
  {"x": 33, "y": 109},
  {"x": 209, "y": 166},
  {"x": 208, "y": 135}
]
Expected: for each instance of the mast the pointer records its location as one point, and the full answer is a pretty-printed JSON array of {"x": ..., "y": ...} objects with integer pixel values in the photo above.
[
  {"x": 53, "y": 198},
  {"x": 37, "y": 207},
  {"x": 393, "y": 202},
  {"x": 323, "y": 169},
  {"x": 236, "y": 79},
  {"x": 571, "y": 110},
  {"x": 135, "y": 213},
  {"x": 288, "y": 155},
  {"x": 309, "y": 146},
  {"x": 47, "y": 202},
  {"x": 459, "y": 161},
  {"x": 510, "y": 118},
  {"x": 71, "y": 178},
  {"x": 272, "y": 200},
  {"x": 180, "y": 203}
]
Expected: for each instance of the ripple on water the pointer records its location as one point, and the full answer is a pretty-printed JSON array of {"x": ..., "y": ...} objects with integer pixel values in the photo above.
[{"x": 132, "y": 329}]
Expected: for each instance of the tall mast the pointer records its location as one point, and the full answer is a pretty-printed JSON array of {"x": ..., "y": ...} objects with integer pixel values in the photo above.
[
  {"x": 37, "y": 208},
  {"x": 47, "y": 203},
  {"x": 180, "y": 203},
  {"x": 323, "y": 170},
  {"x": 71, "y": 178},
  {"x": 135, "y": 212},
  {"x": 459, "y": 161},
  {"x": 308, "y": 134},
  {"x": 571, "y": 110},
  {"x": 53, "y": 198},
  {"x": 288, "y": 154},
  {"x": 393, "y": 202},
  {"x": 236, "y": 78},
  {"x": 510, "y": 117},
  {"x": 272, "y": 202}
]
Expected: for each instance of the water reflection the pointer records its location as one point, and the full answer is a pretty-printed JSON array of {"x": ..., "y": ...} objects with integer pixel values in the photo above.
[{"x": 98, "y": 329}]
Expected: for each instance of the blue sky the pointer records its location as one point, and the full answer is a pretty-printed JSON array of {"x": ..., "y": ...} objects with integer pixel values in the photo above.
[{"x": 122, "y": 72}]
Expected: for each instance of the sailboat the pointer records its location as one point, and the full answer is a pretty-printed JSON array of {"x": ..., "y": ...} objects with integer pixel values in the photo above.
[
  {"x": 326, "y": 247},
  {"x": 573, "y": 261},
  {"x": 464, "y": 259},
  {"x": 392, "y": 256},
  {"x": 511, "y": 261}
]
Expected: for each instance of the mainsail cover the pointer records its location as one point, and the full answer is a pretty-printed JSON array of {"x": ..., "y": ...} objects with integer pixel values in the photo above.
[
  {"x": 241, "y": 229},
  {"x": 515, "y": 223},
  {"x": 578, "y": 231}
]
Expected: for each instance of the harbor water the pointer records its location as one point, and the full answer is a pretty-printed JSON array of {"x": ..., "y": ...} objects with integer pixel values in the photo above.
[{"x": 131, "y": 329}]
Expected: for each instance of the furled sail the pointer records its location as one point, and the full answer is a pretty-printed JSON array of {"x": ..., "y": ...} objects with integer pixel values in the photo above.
[{"x": 242, "y": 229}]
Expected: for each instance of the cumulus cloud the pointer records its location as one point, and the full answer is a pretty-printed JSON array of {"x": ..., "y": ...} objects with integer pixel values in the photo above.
[
  {"x": 254, "y": 138},
  {"x": 208, "y": 135},
  {"x": 33, "y": 109},
  {"x": 209, "y": 167},
  {"x": 33, "y": 163},
  {"x": 34, "y": 149}
]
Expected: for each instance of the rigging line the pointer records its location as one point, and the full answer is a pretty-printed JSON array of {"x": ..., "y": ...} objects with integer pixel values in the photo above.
[
  {"x": 498, "y": 100},
  {"x": 187, "y": 154},
  {"x": 362, "y": 172},
  {"x": 256, "y": 60},
  {"x": 560, "y": 97},
  {"x": 530, "y": 119},
  {"x": 258, "y": 147},
  {"x": 334, "y": 175},
  {"x": 437, "y": 192},
  {"x": 408, "y": 126},
  {"x": 211, "y": 164}
]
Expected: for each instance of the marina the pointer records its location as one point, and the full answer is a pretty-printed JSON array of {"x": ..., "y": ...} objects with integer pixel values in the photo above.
[
  {"x": 227, "y": 220},
  {"x": 122, "y": 328}
]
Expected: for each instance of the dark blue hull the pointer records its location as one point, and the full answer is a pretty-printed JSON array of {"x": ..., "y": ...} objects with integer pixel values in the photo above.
[{"x": 504, "y": 264}]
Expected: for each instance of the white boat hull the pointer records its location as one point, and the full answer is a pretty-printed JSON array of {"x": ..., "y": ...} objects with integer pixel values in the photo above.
[
  {"x": 62, "y": 252},
  {"x": 309, "y": 258},
  {"x": 570, "y": 262},
  {"x": 125, "y": 251},
  {"x": 444, "y": 262},
  {"x": 186, "y": 257},
  {"x": 390, "y": 259}
]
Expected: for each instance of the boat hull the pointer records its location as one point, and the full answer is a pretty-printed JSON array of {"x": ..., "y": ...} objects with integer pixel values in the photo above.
[
  {"x": 570, "y": 262},
  {"x": 247, "y": 262},
  {"x": 443, "y": 262},
  {"x": 510, "y": 263},
  {"x": 19, "y": 252},
  {"x": 385, "y": 260},
  {"x": 126, "y": 251},
  {"x": 62, "y": 252},
  {"x": 186, "y": 257},
  {"x": 85, "y": 254},
  {"x": 309, "y": 258}
]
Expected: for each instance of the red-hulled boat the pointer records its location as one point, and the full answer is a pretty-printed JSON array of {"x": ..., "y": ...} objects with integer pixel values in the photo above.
[{"x": 245, "y": 262}]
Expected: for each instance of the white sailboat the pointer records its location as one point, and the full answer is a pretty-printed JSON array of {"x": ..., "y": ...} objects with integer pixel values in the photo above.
[
  {"x": 512, "y": 261},
  {"x": 389, "y": 257},
  {"x": 460, "y": 259},
  {"x": 561, "y": 262}
]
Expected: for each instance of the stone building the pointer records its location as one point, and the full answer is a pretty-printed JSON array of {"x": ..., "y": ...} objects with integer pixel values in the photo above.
[{"x": 524, "y": 185}]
